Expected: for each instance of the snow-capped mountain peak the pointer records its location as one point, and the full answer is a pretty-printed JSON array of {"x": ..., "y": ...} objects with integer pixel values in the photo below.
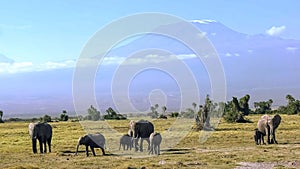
[{"x": 203, "y": 21}]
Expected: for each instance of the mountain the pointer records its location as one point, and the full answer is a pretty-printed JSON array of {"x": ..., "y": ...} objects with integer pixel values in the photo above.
[
  {"x": 260, "y": 65},
  {"x": 4, "y": 59}
]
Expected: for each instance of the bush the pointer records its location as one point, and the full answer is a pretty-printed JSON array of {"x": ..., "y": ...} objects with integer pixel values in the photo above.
[{"x": 46, "y": 118}]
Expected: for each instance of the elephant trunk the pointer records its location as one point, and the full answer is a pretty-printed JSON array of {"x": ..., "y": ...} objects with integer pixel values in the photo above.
[
  {"x": 34, "y": 145},
  {"x": 77, "y": 149}
]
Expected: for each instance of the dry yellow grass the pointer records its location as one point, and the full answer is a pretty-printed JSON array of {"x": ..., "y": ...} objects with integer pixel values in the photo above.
[{"x": 225, "y": 148}]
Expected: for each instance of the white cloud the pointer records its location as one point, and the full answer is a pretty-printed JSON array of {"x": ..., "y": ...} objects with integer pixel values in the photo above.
[
  {"x": 151, "y": 58},
  {"x": 291, "y": 49},
  {"x": 228, "y": 54},
  {"x": 236, "y": 54},
  {"x": 213, "y": 34},
  {"x": 276, "y": 31},
  {"x": 19, "y": 67}
]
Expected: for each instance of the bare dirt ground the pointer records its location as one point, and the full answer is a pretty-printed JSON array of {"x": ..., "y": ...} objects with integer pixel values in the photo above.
[{"x": 268, "y": 165}]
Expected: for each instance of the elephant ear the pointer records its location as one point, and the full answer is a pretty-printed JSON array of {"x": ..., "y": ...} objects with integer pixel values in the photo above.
[{"x": 276, "y": 121}]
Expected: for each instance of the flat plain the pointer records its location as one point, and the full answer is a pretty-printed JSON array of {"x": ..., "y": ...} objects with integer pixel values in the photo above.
[{"x": 231, "y": 145}]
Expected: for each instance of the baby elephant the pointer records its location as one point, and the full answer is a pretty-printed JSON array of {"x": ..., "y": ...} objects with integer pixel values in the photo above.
[
  {"x": 258, "y": 137},
  {"x": 126, "y": 141},
  {"x": 92, "y": 140},
  {"x": 155, "y": 140}
]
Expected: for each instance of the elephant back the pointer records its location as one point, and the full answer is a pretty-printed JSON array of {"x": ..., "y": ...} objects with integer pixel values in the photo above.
[
  {"x": 42, "y": 130},
  {"x": 97, "y": 139},
  {"x": 144, "y": 129}
]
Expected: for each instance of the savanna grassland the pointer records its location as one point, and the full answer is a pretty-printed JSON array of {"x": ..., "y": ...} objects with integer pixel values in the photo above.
[{"x": 227, "y": 146}]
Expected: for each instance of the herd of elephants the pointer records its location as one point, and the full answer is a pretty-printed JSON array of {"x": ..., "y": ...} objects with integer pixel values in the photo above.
[
  {"x": 140, "y": 130},
  {"x": 143, "y": 130}
]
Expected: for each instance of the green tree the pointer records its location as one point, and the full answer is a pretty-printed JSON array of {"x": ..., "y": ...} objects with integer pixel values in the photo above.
[
  {"x": 154, "y": 113},
  {"x": 235, "y": 110},
  {"x": 46, "y": 118},
  {"x": 293, "y": 105},
  {"x": 93, "y": 114},
  {"x": 1, "y": 115},
  {"x": 203, "y": 115},
  {"x": 64, "y": 116},
  {"x": 263, "y": 107}
]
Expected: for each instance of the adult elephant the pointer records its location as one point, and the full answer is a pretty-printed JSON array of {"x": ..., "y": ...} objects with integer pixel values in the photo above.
[
  {"x": 93, "y": 141},
  {"x": 267, "y": 127},
  {"x": 141, "y": 130},
  {"x": 42, "y": 132}
]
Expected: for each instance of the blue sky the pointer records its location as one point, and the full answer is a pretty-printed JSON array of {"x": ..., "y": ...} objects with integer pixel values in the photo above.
[{"x": 52, "y": 32}]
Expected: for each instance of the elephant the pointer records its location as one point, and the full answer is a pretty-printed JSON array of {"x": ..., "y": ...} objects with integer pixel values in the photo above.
[
  {"x": 155, "y": 140},
  {"x": 126, "y": 140},
  {"x": 258, "y": 137},
  {"x": 141, "y": 129},
  {"x": 42, "y": 132},
  {"x": 94, "y": 141},
  {"x": 267, "y": 126}
]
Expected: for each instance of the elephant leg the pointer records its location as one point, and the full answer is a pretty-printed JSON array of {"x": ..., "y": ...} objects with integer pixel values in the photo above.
[
  {"x": 45, "y": 146},
  {"x": 158, "y": 149},
  {"x": 87, "y": 150},
  {"x": 136, "y": 144},
  {"x": 34, "y": 146},
  {"x": 268, "y": 135},
  {"x": 141, "y": 145},
  {"x": 93, "y": 151},
  {"x": 49, "y": 144},
  {"x": 148, "y": 141},
  {"x": 41, "y": 146},
  {"x": 151, "y": 149},
  {"x": 102, "y": 149},
  {"x": 274, "y": 138}
]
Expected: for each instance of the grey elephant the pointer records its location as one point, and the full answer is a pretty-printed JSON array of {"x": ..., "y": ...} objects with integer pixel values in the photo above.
[
  {"x": 141, "y": 130},
  {"x": 92, "y": 141},
  {"x": 155, "y": 140},
  {"x": 41, "y": 132},
  {"x": 258, "y": 137},
  {"x": 126, "y": 142},
  {"x": 267, "y": 127}
]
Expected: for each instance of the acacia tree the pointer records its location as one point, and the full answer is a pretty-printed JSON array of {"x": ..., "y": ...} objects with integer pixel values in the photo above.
[
  {"x": 93, "y": 114},
  {"x": 203, "y": 117},
  {"x": 235, "y": 110},
  {"x": 64, "y": 116},
  {"x": 154, "y": 113},
  {"x": 293, "y": 105}
]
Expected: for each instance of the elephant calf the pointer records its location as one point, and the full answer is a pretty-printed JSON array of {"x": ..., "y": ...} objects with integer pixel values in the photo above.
[
  {"x": 258, "y": 137},
  {"x": 92, "y": 141},
  {"x": 126, "y": 141},
  {"x": 155, "y": 140}
]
